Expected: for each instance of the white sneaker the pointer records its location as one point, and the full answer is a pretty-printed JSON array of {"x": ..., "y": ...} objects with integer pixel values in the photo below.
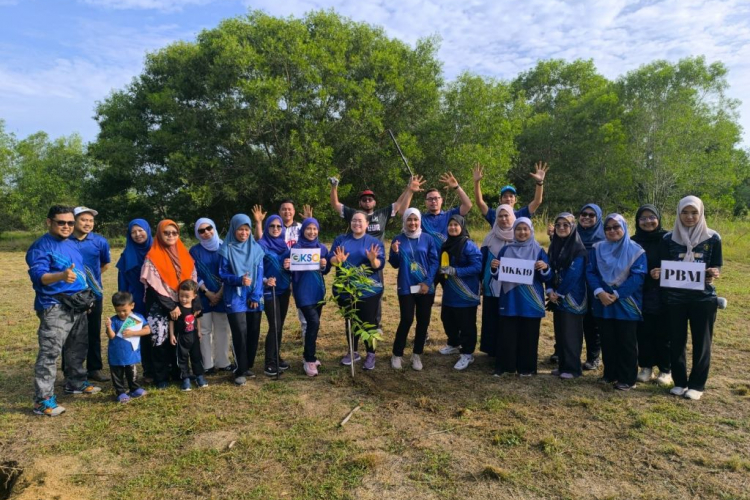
[
  {"x": 396, "y": 362},
  {"x": 449, "y": 349},
  {"x": 693, "y": 394},
  {"x": 721, "y": 302},
  {"x": 464, "y": 361},
  {"x": 645, "y": 374},
  {"x": 664, "y": 379},
  {"x": 678, "y": 391},
  {"x": 416, "y": 362}
]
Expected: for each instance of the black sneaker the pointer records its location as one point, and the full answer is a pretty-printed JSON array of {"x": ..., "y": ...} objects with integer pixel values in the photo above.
[
  {"x": 554, "y": 359},
  {"x": 283, "y": 365},
  {"x": 271, "y": 370},
  {"x": 249, "y": 374},
  {"x": 592, "y": 365},
  {"x": 210, "y": 371}
]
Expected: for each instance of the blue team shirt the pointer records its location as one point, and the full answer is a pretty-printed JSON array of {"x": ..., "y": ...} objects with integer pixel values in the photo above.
[
  {"x": 95, "y": 251},
  {"x": 436, "y": 225},
  {"x": 207, "y": 268},
  {"x": 120, "y": 351},
  {"x": 237, "y": 297},
  {"x": 526, "y": 301},
  {"x": 462, "y": 290},
  {"x": 629, "y": 304},
  {"x": 357, "y": 250},
  {"x": 417, "y": 262},
  {"x": 51, "y": 255}
]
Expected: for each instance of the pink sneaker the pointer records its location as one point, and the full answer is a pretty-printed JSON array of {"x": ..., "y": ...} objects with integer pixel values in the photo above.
[{"x": 311, "y": 369}]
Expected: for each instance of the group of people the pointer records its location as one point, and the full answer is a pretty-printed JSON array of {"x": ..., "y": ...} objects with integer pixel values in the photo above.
[{"x": 191, "y": 307}]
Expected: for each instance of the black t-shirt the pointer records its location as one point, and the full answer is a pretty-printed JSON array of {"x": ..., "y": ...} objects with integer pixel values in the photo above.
[
  {"x": 187, "y": 323},
  {"x": 376, "y": 221}
]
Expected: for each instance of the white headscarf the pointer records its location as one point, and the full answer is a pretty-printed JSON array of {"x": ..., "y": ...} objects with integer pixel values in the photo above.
[
  {"x": 418, "y": 232},
  {"x": 526, "y": 250},
  {"x": 691, "y": 236},
  {"x": 213, "y": 244},
  {"x": 497, "y": 238}
]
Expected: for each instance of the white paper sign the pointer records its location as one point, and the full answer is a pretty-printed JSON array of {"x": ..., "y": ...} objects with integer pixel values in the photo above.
[
  {"x": 516, "y": 271},
  {"x": 415, "y": 288},
  {"x": 686, "y": 275},
  {"x": 304, "y": 259}
]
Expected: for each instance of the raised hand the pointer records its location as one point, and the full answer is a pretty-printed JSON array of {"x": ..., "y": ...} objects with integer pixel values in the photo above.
[
  {"x": 415, "y": 183},
  {"x": 540, "y": 171},
  {"x": 449, "y": 180},
  {"x": 340, "y": 255},
  {"x": 258, "y": 214},
  {"x": 395, "y": 245},
  {"x": 478, "y": 172},
  {"x": 307, "y": 211},
  {"x": 372, "y": 253}
]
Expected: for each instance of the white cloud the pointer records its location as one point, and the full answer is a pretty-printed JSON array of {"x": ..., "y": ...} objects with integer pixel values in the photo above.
[{"x": 161, "y": 5}]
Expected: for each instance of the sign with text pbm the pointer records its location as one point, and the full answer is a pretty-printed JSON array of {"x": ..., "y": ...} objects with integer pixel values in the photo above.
[
  {"x": 304, "y": 259},
  {"x": 686, "y": 275},
  {"x": 516, "y": 271}
]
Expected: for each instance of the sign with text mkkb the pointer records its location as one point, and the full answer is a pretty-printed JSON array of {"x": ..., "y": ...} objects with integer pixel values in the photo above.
[
  {"x": 304, "y": 259},
  {"x": 686, "y": 275},
  {"x": 516, "y": 271}
]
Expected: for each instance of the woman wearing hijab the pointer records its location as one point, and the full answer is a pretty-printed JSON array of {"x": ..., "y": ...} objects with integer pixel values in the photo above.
[
  {"x": 415, "y": 256},
  {"x": 241, "y": 270},
  {"x": 522, "y": 306},
  {"x": 167, "y": 264},
  {"x": 591, "y": 231},
  {"x": 500, "y": 235},
  {"x": 355, "y": 249},
  {"x": 615, "y": 272},
  {"x": 138, "y": 242},
  {"x": 309, "y": 291},
  {"x": 460, "y": 274},
  {"x": 276, "y": 291},
  {"x": 691, "y": 241},
  {"x": 214, "y": 323},
  {"x": 567, "y": 294},
  {"x": 653, "y": 332}
]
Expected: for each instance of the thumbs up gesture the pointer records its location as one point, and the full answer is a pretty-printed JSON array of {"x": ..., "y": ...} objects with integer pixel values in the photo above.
[
  {"x": 69, "y": 275},
  {"x": 246, "y": 280}
]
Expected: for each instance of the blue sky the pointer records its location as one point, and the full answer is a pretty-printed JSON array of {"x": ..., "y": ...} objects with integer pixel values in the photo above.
[{"x": 58, "y": 57}]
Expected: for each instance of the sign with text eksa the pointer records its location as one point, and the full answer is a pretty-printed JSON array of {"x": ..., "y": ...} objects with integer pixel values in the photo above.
[
  {"x": 686, "y": 275},
  {"x": 516, "y": 271},
  {"x": 304, "y": 259}
]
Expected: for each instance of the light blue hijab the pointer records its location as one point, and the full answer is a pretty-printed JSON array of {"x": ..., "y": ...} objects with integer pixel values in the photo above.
[
  {"x": 614, "y": 259},
  {"x": 244, "y": 257}
]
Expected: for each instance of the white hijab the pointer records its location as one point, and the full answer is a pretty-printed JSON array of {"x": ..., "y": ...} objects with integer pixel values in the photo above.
[
  {"x": 418, "y": 232},
  {"x": 691, "y": 236}
]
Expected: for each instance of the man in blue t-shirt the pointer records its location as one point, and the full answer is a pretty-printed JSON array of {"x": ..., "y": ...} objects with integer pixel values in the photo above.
[
  {"x": 435, "y": 220},
  {"x": 62, "y": 300},
  {"x": 508, "y": 194},
  {"x": 95, "y": 251}
]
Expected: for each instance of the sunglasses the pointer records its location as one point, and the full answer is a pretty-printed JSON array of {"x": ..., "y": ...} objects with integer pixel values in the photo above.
[
  {"x": 274, "y": 226},
  {"x": 612, "y": 228},
  {"x": 170, "y": 233},
  {"x": 590, "y": 215},
  {"x": 63, "y": 223},
  {"x": 205, "y": 229}
]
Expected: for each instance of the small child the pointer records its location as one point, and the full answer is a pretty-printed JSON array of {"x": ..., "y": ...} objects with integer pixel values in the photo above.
[
  {"x": 125, "y": 330},
  {"x": 185, "y": 333}
]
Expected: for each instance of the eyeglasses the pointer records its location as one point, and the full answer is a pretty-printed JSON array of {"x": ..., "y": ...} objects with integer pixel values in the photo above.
[
  {"x": 589, "y": 215},
  {"x": 203, "y": 230},
  {"x": 274, "y": 226},
  {"x": 648, "y": 218},
  {"x": 433, "y": 198},
  {"x": 170, "y": 233},
  {"x": 367, "y": 199},
  {"x": 562, "y": 225},
  {"x": 63, "y": 223},
  {"x": 613, "y": 229}
]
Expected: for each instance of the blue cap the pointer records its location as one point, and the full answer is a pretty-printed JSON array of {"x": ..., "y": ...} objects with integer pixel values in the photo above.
[{"x": 507, "y": 188}]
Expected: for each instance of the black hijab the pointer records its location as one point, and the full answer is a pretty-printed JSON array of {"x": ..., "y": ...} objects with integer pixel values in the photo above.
[
  {"x": 454, "y": 245},
  {"x": 563, "y": 251},
  {"x": 649, "y": 240}
]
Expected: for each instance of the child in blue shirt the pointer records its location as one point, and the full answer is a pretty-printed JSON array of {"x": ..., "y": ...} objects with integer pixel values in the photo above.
[{"x": 125, "y": 330}]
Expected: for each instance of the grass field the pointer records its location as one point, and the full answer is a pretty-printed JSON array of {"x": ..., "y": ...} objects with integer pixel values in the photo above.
[{"x": 436, "y": 434}]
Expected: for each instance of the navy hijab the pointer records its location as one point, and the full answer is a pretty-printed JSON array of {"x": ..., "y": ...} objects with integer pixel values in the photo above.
[
  {"x": 272, "y": 244},
  {"x": 595, "y": 233},
  {"x": 135, "y": 253}
]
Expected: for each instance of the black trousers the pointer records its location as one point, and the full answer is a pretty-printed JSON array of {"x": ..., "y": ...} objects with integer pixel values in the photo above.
[
  {"x": 412, "y": 305},
  {"x": 701, "y": 317},
  {"x": 592, "y": 336},
  {"x": 367, "y": 312},
  {"x": 94, "y": 355},
  {"x": 275, "y": 309},
  {"x": 124, "y": 378},
  {"x": 653, "y": 343},
  {"x": 490, "y": 325},
  {"x": 619, "y": 349},
  {"x": 460, "y": 325},
  {"x": 189, "y": 349},
  {"x": 164, "y": 359},
  {"x": 568, "y": 341},
  {"x": 312, "y": 317},
  {"x": 147, "y": 357},
  {"x": 518, "y": 345},
  {"x": 245, "y": 327}
]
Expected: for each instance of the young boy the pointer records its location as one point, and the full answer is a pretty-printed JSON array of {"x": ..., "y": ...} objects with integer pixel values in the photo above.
[
  {"x": 185, "y": 333},
  {"x": 125, "y": 330}
]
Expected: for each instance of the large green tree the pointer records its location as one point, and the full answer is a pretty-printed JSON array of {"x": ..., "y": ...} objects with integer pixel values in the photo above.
[{"x": 260, "y": 109}]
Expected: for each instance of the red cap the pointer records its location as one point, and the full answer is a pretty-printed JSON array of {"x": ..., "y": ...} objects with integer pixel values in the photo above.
[{"x": 367, "y": 192}]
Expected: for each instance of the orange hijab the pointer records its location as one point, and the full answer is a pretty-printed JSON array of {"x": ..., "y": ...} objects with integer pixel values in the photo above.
[{"x": 174, "y": 263}]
